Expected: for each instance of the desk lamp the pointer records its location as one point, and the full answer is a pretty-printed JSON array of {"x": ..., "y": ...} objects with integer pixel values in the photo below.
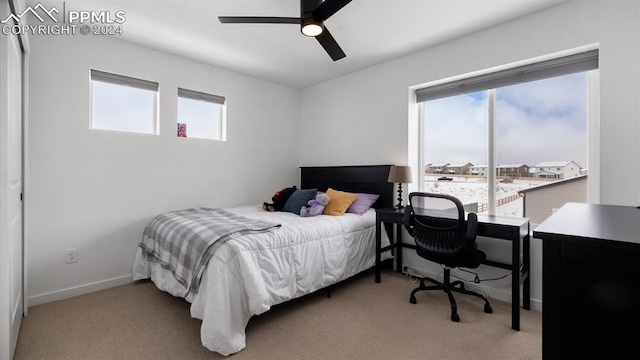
[{"x": 400, "y": 174}]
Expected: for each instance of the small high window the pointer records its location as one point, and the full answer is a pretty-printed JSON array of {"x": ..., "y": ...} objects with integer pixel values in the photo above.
[
  {"x": 201, "y": 115},
  {"x": 123, "y": 103}
]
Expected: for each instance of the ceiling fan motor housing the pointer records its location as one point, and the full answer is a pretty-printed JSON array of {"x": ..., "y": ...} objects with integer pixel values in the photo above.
[
  {"x": 307, "y": 7},
  {"x": 306, "y": 14}
]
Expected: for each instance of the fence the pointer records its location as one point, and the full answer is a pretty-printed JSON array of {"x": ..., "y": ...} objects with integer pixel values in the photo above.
[{"x": 483, "y": 207}]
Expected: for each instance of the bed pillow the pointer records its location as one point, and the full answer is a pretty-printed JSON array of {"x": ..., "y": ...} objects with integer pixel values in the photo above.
[
  {"x": 298, "y": 199},
  {"x": 339, "y": 202},
  {"x": 363, "y": 203}
]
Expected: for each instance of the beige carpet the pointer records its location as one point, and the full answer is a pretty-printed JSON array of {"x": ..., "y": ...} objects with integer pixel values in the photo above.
[{"x": 361, "y": 320}]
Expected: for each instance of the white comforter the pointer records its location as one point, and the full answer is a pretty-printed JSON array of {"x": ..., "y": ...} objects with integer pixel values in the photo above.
[{"x": 249, "y": 274}]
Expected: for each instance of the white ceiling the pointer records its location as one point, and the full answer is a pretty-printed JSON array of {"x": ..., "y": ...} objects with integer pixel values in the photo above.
[{"x": 369, "y": 32}]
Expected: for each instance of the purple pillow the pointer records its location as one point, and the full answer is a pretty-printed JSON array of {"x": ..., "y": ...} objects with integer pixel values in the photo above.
[{"x": 363, "y": 203}]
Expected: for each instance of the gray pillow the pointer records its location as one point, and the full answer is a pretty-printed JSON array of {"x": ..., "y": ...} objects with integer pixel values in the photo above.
[{"x": 298, "y": 199}]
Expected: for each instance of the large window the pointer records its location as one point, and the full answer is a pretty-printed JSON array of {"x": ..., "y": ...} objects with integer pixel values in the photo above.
[
  {"x": 514, "y": 144},
  {"x": 201, "y": 115},
  {"x": 122, "y": 103}
]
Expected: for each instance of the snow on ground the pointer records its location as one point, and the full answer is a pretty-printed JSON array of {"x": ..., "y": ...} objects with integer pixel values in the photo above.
[{"x": 472, "y": 190}]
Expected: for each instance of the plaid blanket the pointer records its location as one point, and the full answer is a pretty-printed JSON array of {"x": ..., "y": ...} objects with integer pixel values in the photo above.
[{"x": 184, "y": 241}]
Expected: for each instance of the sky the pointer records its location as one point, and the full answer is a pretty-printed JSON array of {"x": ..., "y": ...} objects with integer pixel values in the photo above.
[
  {"x": 538, "y": 121},
  {"x": 202, "y": 118},
  {"x": 123, "y": 108}
]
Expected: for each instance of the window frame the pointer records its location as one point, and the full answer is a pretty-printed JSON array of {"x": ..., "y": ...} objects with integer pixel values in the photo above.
[
  {"x": 416, "y": 125},
  {"x": 206, "y": 97},
  {"x": 126, "y": 81}
]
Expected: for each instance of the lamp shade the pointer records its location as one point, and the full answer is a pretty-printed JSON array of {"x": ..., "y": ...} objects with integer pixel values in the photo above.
[{"x": 400, "y": 174}]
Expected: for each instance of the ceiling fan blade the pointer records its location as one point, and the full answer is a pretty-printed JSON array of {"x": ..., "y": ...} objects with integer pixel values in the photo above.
[
  {"x": 259, "y": 20},
  {"x": 328, "y": 8},
  {"x": 330, "y": 45}
]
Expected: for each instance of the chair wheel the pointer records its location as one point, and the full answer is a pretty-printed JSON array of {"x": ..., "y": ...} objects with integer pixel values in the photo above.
[
  {"x": 487, "y": 308},
  {"x": 412, "y": 299},
  {"x": 455, "y": 317}
]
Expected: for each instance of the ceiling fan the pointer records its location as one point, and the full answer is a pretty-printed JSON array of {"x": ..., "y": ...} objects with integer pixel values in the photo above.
[{"x": 313, "y": 13}]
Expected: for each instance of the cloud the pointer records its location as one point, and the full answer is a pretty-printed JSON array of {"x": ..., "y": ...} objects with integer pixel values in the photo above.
[
  {"x": 455, "y": 130},
  {"x": 539, "y": 121},
  {"x": 542, "y": 98},
  {"x": 122, "y": 108}
]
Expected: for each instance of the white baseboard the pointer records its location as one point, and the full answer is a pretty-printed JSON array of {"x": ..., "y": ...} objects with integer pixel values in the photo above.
[{"x": 79, "y": 290}]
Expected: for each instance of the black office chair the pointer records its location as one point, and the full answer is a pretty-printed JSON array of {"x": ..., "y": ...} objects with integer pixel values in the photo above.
[{"x": 442, "y": 235}]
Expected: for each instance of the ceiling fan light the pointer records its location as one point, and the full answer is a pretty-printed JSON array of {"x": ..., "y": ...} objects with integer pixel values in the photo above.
[{"x": 311, "y": 29}]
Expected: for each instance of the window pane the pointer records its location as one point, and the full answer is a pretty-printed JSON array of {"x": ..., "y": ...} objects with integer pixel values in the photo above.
[
  {"x": 455, "y": 148},
  {"x": 541, "y": 146},
  {"x": 123, "y": 108},
  {"x": 541, "y": 131},
  {"x": 203, "y": 118}
]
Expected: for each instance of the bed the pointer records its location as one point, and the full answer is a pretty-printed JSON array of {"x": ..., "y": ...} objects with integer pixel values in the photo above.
[{"x": 251, "y": 272}]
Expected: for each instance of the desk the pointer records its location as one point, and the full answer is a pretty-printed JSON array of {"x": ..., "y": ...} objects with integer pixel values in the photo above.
[
  {"x": 498, "y": 227},
  {"x": 590, "y": 282}
]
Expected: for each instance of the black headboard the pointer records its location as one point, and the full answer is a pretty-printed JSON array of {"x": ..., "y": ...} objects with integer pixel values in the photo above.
[{"x": 370, "y": 179}]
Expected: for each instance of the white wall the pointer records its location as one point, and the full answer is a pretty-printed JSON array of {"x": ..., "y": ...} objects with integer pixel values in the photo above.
[
  {"x": 365, "y": 114},
  {"x": 96, "y": 190}
]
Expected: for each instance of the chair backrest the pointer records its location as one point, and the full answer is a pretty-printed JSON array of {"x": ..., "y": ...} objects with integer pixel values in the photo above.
[{"x": 437, "y": 223}]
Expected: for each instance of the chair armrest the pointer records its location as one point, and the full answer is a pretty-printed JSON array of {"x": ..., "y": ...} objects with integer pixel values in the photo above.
[
  {"x": 472, "y": 228},
  {"x": 406, "y": 220}
]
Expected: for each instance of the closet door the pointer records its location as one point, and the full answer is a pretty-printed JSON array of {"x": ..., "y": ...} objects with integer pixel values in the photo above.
[{"x": 11, "y": 155}]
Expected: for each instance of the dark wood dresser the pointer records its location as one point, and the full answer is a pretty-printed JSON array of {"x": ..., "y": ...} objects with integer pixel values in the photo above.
[{"x": 590, "y": 282}]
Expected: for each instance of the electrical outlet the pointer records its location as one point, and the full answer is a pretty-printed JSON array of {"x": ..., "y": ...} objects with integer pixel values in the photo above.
[{"x": 71, "y": 255}]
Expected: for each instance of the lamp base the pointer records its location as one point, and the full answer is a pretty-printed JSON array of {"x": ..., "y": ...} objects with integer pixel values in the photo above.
[{"x": 399, "y": 206}]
